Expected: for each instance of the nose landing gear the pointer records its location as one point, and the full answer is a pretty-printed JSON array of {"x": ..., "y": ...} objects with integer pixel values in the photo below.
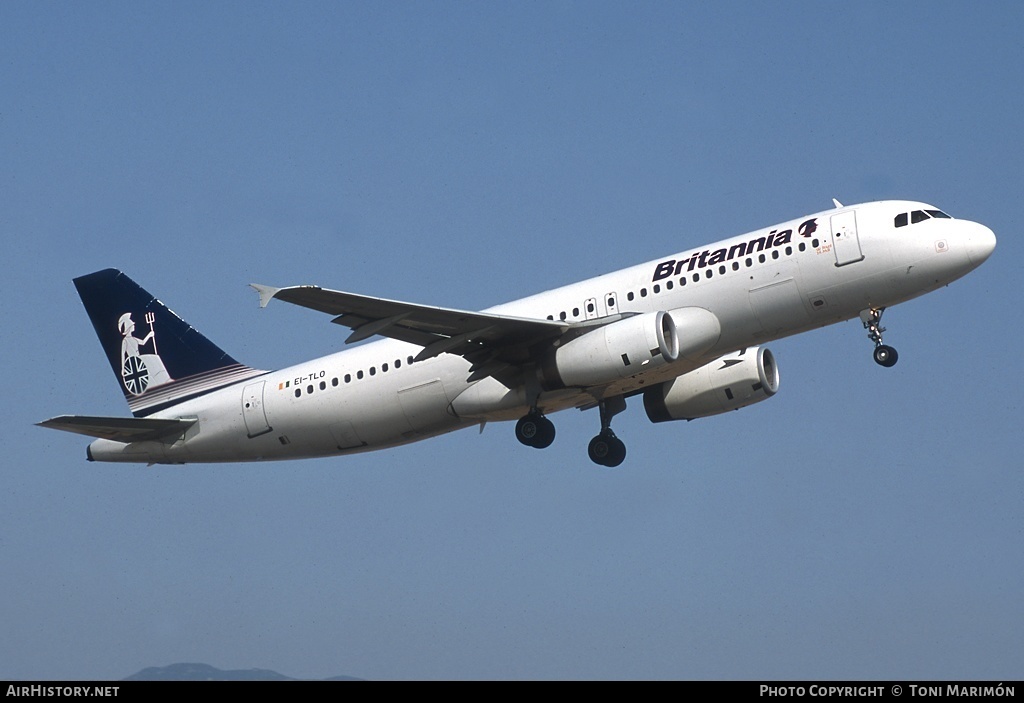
[{"x": 884, "y": 355}]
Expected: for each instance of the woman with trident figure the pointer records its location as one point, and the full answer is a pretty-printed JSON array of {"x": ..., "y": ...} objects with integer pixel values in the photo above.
[{"x": 140, "y": 372}]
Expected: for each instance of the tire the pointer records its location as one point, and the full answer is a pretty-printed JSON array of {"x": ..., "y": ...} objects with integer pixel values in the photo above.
[
  {"x": 618, "y": 453},
  {"x": 599, "y": 450},
  {"x": 527, "y": 429},
  {"x": 545, "y": 434},
  {"x": 606, "y": 450},
  {"x": 885, "y": 356},
  {"x": 535, "y": 431}
]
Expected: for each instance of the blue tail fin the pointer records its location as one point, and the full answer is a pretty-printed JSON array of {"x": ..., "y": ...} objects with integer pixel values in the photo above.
[{"x": 158, "y": 358}]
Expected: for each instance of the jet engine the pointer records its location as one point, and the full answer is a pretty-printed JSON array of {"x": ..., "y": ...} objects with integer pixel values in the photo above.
[
  {"x": 618, "y": 350},
  {"x": 731, "y": 382}
]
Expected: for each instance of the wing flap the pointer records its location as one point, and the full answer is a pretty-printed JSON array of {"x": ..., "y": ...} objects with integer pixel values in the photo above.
[{"x": 119, "y": 429}]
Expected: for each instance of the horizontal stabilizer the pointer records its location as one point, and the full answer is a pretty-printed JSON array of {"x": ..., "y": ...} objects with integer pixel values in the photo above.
[{"x": 119, "y": 429}]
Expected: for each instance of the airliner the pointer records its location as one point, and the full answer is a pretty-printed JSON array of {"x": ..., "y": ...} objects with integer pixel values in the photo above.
[{"x": 684, "y": 333}]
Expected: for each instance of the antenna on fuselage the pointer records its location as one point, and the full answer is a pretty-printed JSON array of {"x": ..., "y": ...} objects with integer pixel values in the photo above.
[{"x": 837, "y": 203}]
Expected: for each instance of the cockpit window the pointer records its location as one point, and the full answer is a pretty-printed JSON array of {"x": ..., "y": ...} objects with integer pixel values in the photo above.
[{"x": 919, "y": 216}]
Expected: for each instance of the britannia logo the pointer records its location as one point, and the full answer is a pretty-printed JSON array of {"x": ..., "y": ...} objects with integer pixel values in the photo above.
[
  {"x": 140, "y": 371},
  {"x": 808, "y": 228}
]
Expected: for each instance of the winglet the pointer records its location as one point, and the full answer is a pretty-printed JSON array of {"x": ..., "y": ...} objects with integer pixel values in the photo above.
[{"x": 267, "y": 293}]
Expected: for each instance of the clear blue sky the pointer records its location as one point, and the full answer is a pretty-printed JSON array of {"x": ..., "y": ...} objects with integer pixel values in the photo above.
[{"x": 863, "y": 523}]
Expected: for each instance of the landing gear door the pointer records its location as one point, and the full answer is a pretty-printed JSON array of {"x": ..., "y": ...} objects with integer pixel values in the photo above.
[
  {"x": 845, "y": 241},
  {"x": 253, "y": 411}
]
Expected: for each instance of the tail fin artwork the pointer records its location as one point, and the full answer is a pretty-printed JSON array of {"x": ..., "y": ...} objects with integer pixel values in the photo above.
[{"x": 158, "y": 358}]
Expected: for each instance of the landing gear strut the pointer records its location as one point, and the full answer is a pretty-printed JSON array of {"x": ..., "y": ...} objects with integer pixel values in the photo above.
[
  {"x": 884, "y": 354},
  {"x": 535, "y": 430},
  {"x": 606, "y": 449}
]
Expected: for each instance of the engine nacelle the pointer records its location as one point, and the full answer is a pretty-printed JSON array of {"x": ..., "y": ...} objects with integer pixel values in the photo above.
[
  {"x": 619, "y": 350},
  {"x": 698, "y": 330},
  {"x": 732, "y": 382}
]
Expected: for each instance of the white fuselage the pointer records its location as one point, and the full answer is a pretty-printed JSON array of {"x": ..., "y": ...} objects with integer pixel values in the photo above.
[{"x": 760, "y": 289}]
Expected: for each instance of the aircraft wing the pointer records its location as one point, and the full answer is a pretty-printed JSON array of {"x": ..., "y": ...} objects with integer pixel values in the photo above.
[
  {"x": 490, "y": 342},
  {"x": 119, "y": 429}
]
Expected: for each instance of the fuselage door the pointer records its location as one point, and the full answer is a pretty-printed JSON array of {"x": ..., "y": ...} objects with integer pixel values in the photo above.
[
  {"x": 253, "y": 411},
  {"x": 845, "y": 241}
]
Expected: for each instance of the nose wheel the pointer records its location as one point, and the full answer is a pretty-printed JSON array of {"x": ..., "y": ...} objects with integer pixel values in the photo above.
[{"x": 884, "y": 354}]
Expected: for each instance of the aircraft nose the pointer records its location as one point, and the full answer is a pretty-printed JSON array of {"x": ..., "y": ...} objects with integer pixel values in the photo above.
[{"x": 981, "y": 242}]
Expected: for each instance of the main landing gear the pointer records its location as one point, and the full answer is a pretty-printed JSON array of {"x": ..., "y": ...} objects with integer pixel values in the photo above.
[
  {"x": 884, "y": 354},
  {"x": 606, "y": 449},
  {"x": 535, "y": 430}
]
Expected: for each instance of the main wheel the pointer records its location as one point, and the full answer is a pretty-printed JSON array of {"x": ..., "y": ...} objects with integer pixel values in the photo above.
[
  {"x": 545, "y": 433},
  {"x": 885, "y": 356},
  {"x": 618, "y": 453},
  {"x": 535, "y": 430},
  {"x": 599, "y": 449},
  {"x": 606, "y": 450}
]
